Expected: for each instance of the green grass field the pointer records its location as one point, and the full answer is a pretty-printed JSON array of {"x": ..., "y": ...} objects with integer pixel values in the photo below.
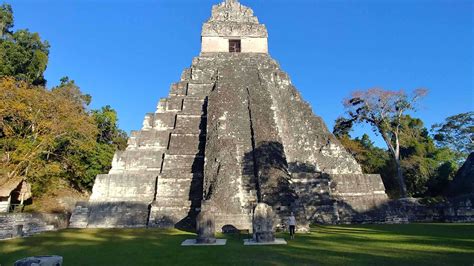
[{"x": 414, "y": 244}]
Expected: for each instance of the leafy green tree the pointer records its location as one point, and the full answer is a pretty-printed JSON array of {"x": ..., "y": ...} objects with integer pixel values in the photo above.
[
  {"x": 68, "y": 89},
  {"x": 86, "y": 161},
  {"x": 48, "y": 135},
  {"x": 428, "y": 169},
  {"x": 107, "y": 123},
  {"x": 6, "y": 19},
  {"x": 383, "y": 110},
  {"x": 23, "y": 54},
  {"x": 456, "y": 133},
  {"x": 39, "y": 130}
]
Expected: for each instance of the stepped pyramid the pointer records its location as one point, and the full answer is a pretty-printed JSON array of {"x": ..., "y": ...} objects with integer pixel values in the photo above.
[{"x": 232, "y": 132}]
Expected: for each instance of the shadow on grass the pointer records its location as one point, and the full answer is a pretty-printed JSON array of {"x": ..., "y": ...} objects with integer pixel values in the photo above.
[{"x": 414, "y": 244}]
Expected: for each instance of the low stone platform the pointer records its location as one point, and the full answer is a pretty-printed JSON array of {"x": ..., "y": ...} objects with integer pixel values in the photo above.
[
  {"x": 193, "y": 242},
  {"x": 251, "y": 242}
]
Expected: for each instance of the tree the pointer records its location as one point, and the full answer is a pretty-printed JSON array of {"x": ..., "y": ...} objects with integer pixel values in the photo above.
[
  {"x": 6, "y": 19},
  {"x": 107, "y": 123},
  {"x": 68, "y": 89},
  {"x": 383, "y": 110},
  {"x": 23, "y": 54},
  {"x": 428, "y": 170},
  {"x": 456, "y": 133},
  {"x": 48, "y": 135},
  {"x": 39, "y": 130}
]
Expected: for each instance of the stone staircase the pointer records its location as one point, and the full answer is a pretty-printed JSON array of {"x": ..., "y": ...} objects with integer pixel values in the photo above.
[
  {"x": 314, "y": 191},
  {"x": 179, "y": 186},
  {"x": 79, "y": 216}
]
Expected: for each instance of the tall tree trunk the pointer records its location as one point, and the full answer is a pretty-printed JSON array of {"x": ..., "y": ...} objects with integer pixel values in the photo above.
[
  {"x": 401, "y": 179},
  {"x": 395, "y": 152}
]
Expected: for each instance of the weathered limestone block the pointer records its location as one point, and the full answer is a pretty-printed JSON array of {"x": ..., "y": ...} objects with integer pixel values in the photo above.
[
  {"x": 314, "y": 193},
  {"x": 203, "y": 74},
  {"x": 179, "y": 186},
  {"x": 186, "y": 75},
  {"x": 162, "y": 105},
  {"x": 124, "y": 187},
  {"x": 188, "y": 123},
  {"x": 148, "y": 122},
  {"x": 79, "y": 216},
  {"x": 199, "y": 89},
  {"x": 25, "y": 224},
  {"x": 136, "y": 160},
  {"x": 192, "y": 105},
  {"x": 164, "y": 121},
  {"x": 149, "y": 139},
  {"x": 128, "y": 214},
  {"x": 183, "y": 163},
  {"x": 179, "y": 89},
  {"x": 40, "y": 260},
  {"x": 185, "y": 144},
  {"x": 132, "y": 139},
  {"x": 263, "y": 230},
  {"x": 361, "y": 192},
  {"x": 173, "y": 104},
  {"x": 406, "y": 210}
]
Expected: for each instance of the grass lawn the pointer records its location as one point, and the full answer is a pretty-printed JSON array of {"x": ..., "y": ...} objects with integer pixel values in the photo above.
[{"x": 414, "y": 244}]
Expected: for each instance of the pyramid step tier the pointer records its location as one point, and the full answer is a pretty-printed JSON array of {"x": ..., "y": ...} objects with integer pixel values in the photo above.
[{"x": 183, "y": 163}]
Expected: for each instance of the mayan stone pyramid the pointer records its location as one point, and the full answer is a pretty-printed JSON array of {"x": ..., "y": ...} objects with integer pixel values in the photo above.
[{"x": 232, "y": 132}]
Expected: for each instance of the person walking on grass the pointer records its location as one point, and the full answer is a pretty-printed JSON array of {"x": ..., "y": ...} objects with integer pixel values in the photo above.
[{"x": 292, "y": 225}]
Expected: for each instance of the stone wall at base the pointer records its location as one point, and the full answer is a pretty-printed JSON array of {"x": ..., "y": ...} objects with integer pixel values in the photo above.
[
  {"x": 407, "y": 210},
  {"x": 118, "y": 214},
  {"x": 118, "y": 200},
  {"x": 31, "y": 223},
  {"x": 362, "y": 192}
]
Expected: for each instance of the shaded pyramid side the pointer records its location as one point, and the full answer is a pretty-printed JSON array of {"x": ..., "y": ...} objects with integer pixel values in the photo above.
[
  {"x": 328, "y": 180},
  {"x": 264, "y": 144}
]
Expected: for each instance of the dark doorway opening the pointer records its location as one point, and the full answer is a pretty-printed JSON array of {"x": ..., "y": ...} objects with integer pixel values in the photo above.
[{"x": 234, "y": 46}]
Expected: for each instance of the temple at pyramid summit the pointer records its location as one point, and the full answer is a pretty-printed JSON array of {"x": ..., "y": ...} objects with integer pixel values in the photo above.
[{"x": 233, "y": 132}]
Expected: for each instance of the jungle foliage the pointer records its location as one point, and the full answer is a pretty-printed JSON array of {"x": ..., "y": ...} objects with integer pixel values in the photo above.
[
  {"x": 48, "y": 135},
  {"x": 428, "y": 162},
  {"x": 23, "y": 54}
]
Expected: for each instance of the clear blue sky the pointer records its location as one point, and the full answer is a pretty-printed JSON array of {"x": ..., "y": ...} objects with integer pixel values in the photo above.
[{"x": 127, "y": 53}]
